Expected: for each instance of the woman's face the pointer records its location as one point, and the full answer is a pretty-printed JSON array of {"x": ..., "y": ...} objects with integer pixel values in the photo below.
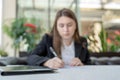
[{"x": 66, "y": 27}]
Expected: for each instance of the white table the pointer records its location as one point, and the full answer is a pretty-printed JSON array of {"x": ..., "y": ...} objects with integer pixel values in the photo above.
[{"x": 76, "y": 73}]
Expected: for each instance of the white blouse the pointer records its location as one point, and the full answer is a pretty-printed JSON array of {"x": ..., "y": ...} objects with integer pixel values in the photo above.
[{"x": 68, "y": 53}]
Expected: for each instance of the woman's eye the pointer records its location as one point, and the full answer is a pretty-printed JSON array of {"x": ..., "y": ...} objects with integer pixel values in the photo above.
[
  {"x": 69, "y": 25},
  {"x": 61, "y": 25}
]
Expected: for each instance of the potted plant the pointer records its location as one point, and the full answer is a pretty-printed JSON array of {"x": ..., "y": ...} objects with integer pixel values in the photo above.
[
  {"x": 114, "y": 42},
  {"x": 22, "y": 30},
  {"x": 103, "y": 38},
  {"x": 3, "y": 53}
]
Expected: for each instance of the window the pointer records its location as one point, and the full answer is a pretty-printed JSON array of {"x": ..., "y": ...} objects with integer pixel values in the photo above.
[
  {"x": 88, "y": 12},
  {"x": 0, "y": 21}
]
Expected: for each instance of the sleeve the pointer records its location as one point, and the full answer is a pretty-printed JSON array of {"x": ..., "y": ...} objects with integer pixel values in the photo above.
[
  {"x": 87, "y": 61},
  {"x": 86, "y": 51},
  {"x": 39, "y": 55}
]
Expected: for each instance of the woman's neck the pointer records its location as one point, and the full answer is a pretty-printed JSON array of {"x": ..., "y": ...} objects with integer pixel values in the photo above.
[{"x": 67, "y": 42}]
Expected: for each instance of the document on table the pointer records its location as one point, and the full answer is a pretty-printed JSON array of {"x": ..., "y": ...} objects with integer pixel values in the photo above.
[{"x": 67, "y": 66}]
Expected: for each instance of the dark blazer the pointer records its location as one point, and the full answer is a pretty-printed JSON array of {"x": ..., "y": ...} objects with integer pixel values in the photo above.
[{"x": 42, "y": 51}]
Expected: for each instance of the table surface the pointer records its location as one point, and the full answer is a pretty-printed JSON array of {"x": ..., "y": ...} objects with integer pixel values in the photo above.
[{"x": 98, "y": 72}]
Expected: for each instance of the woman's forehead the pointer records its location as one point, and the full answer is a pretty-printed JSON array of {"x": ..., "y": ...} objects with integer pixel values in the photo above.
[{"x": 65, "y": 19}]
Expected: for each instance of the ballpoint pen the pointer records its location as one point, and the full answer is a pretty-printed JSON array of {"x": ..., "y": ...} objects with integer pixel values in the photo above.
[{"x": 52, "y": 50}]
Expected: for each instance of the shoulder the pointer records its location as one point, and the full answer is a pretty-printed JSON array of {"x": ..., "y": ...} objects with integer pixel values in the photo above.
[
  {"x": 47, "y": 37},
  {"x": 83, "y": 41}
]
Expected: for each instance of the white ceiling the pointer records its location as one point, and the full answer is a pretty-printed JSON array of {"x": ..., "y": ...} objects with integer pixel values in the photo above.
[
  {"x": 67, "y": 3},
  {"x": 89, "y": 9}
]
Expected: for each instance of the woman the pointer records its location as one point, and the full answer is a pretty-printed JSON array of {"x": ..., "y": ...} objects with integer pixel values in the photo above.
[{"x": 71, "y": 49}]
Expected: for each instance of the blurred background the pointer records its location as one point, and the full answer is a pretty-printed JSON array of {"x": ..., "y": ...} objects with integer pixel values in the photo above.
[{"x": 23, "y": 22}]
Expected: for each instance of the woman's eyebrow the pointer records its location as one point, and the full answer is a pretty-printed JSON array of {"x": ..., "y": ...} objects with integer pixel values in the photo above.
[
  {"x": 66, "y": 23},
  {"x": 70, "y": 23}
]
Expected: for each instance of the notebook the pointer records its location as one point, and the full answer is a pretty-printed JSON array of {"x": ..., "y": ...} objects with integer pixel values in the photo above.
[{"x": 24, "y": 69}]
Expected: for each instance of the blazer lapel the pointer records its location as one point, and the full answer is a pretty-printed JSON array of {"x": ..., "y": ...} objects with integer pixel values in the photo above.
[{"x": 78, "y": 48}]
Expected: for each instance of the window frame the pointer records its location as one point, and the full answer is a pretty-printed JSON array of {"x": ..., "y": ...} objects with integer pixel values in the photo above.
[{"x": 1, "y": 11}]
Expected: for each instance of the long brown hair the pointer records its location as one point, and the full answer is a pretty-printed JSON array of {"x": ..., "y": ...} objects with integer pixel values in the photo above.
[{"x": 56, "y": 37}]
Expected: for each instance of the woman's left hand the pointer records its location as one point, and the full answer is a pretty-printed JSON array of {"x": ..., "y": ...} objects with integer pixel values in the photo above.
[{"x": 76, "y": 62}]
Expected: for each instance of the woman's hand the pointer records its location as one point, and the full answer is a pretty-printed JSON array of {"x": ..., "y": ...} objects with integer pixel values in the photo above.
[
  {"x": 76, "y": 62},
  {"x": 54, "y": 63}
]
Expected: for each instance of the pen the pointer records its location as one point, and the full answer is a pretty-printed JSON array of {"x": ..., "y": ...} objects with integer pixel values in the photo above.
[{"x": 52, "y": 50}]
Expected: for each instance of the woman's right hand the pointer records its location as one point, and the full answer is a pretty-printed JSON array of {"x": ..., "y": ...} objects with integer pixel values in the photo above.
[{"x": 54, "y": 63}]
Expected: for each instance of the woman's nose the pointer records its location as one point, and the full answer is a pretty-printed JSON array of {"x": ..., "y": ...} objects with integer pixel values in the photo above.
[{"x": 65, "y": 28}]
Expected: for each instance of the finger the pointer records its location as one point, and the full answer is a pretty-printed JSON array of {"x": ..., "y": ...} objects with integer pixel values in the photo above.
[
  {"x": 58, "y": 60},
  {"x": 79, "y": 63},
  {"x": 58, "y": 64},
  {"x": 50, "y": 63},
  {"x": 75, "y": 62},
  {"x": 53, "y": 65}
]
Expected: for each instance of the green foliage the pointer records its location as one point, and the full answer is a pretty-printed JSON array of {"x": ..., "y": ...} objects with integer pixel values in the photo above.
[
  {"x": 18, "y": 31},
  {"x": 115, "y": 47},
  {"x": 3, "y": 53},
  {"x": 15, "y": 31},
  {"x": 103, "y": 38},
  {"x": 118, "y": 38}
]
